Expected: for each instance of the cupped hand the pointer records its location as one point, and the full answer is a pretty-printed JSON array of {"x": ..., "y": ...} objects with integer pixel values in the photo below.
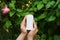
[
  {"x": 32, "y": 33},
  {"x": 23, "y": 26}
]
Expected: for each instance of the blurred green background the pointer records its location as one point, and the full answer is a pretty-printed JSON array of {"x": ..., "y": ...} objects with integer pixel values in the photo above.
[{"x": 46, "y": 13}]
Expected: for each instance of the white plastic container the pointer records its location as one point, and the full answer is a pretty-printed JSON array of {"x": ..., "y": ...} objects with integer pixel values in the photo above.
[{"x": 29, "y": 22}]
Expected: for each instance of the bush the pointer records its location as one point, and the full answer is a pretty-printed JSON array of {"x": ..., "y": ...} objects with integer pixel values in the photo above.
[{"x": 46, "y": 13}]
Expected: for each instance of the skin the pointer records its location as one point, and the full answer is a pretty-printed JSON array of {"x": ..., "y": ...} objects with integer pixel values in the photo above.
[
  {"x": 24, "y": 32},
  {"x": 32, "y": 33}
]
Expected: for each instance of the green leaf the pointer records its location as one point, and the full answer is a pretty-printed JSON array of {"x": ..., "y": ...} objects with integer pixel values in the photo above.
[
  {"x": 31, "y": 9},
  {"x": 7, "y": 24},
  {"x": 57, "y": 2},
  {"x": 58, "y": 21},
  {"x": 43, "y": 37},
  {"x": 50, "y": 4},
  {"x": 51, "y": 18},
  {"x": 58, "y": 13},
  {"x": 13, "y": 1},
  {"x": 19, "y": 10},
  {"x": 12, "y": 6},
  {"x": 25, "y": 13},
  {"x": 18, "y": 20},
  {"x": 59, "y": 6},
  {"x": 35, "y": 9},
  {"x": 11, "y": 13},
  {"x": 18, "y": 14},
  {"x": 45, "y": 1},
  {"x": 40, "y": 5},
  {"x": 42, "y": 16},
  {"x": 56, "y": 37},
  {"x": 35, "y": 3},
  {"x": 50, "y": 38},
  {"x": 50, "y": 31}
]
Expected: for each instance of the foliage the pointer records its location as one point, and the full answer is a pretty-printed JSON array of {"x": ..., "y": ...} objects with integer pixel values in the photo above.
[{"x": 46, "y": 13}]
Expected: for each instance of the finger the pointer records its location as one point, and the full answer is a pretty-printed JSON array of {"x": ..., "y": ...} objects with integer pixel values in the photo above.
[
  {"x": 36, "y": 31},
  {"x": 23, "y": 22},
  {"x": 35, "y": 25}
]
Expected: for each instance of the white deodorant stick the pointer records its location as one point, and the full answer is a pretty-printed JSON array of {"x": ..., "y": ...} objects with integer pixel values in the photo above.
[{"x": 29, "y": 22}]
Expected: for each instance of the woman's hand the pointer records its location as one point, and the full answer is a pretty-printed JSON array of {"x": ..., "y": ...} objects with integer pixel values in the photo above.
[
  {"x": 23, "y": 30},
  {"x": 23, "y": 26},
  {"x": 32, "y": 33}
]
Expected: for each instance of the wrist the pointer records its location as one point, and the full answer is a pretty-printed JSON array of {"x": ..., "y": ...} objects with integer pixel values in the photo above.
[
  {"x": 30, "y": 37},
  {"x": 23, "y": 34}
]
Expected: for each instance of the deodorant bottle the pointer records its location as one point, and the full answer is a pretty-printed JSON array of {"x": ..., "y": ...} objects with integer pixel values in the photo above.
[{"x": 29, "y": 22}]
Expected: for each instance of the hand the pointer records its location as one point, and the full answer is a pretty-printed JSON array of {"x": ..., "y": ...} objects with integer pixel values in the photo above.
[
  {"x": 23, "y": 26},
  {"x": 32, "y": 33},
  {"x": 23, "y": 30}
]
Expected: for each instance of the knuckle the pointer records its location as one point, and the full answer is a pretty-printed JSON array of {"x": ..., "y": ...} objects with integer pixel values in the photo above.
[{"x": 37, "y": 30}]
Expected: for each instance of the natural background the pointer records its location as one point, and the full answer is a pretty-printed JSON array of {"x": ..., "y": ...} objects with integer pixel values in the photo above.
[{"x": 46, "y": 13}]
